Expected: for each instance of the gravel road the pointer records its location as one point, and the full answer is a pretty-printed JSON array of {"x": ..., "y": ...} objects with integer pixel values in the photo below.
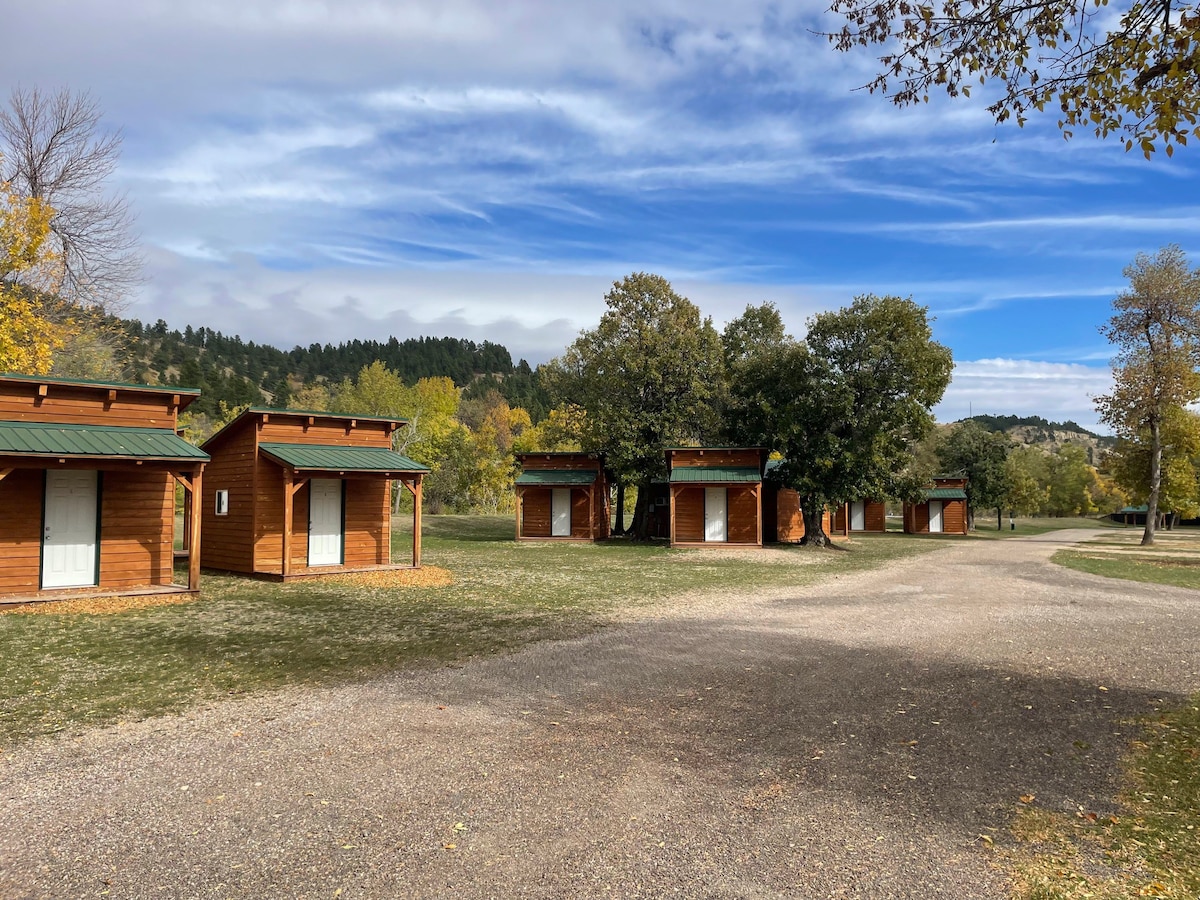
[{"x": 847, "y": 739}]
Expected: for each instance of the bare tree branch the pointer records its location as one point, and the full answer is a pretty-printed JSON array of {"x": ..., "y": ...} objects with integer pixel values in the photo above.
[{"x": 54, "y": 149}]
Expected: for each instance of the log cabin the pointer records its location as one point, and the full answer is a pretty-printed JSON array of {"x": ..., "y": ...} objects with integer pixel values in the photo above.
[
  {"x": 716, "y": 496},
  {"x": 869, "y": 516},
  {"x": 562, "y": 496},
  {"x": 943, "y": 510},
  {"x": 296, "y": 494},
  {"x": 87, "y": 488},
  {"x": 783, "y": 518}
]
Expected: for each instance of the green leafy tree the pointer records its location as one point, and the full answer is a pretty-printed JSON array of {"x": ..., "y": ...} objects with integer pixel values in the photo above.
[
  {"x": 1127, "y": 68},
  {"x": 1179, "y": 491},
  {"x": 1070, "y": 478},
  {"x": 980, "y": 455},
  {"x": 845, "y": 406},
  {"x": 649, "y": 376},
  {"x": 1155, "y": 328},
  {"x": 1026, "y": 472}
]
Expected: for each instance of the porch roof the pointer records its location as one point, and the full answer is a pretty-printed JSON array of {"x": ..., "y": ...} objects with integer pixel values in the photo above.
[
  {"x": 42, "y": 439},
  {"x": 945, "y": 494},
  {"x": 326, "y": 458},
  {"x": 715, "y": 475},
  {"x": 562, "y": 477}
]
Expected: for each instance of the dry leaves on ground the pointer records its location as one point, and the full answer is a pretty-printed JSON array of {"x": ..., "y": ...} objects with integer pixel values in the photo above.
[
  {"x": 95, "y": 605},
  {"x": 427, "y": 577}
]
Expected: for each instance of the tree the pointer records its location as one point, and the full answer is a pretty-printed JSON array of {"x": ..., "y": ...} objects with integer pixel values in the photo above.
[
  {"x": 649, "y": 376},
  {"x": 1130, "y": 68},
  {"x": 980, "y": 455},
  {"x": 1155, "y": 328},
  {"x": 1028, "y": 481},
  {"x": 1179, "y": 490},
  {"x": 845, "y": 405},
  {"x": 28, "y": 339},
  {"x": 56, "y": 153},
  {"x": 1070, "y": 480}
]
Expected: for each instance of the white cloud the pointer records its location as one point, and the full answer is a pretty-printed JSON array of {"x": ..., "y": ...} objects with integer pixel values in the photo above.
[{"x": 1056, "y": 391}]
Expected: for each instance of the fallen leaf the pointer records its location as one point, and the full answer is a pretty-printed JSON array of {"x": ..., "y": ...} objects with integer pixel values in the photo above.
[
  {"x": 1028, "y": 798},
  {"x": 449, "y": 846}
]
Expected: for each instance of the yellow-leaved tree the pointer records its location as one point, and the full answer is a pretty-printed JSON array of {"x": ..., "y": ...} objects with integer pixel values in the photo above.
[{"x": 28, "y": 273}]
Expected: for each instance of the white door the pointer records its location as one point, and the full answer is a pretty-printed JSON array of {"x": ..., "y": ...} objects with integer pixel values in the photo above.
[
  {"x": 324, "y": 522},
  {"x": 560, "y": 512},
  {"x": 714, "y": 514},
  {"x": 69, "y": 530},
  {"x": 935, "y": 516},
  {"x": 858, "y": 516}
]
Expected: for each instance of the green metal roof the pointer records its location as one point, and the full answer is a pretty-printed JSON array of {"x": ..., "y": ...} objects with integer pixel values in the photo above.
[
  {"x": 557, "y": 476},
  {"x": 945, "y": 494},
  {"x": 94, "y": 442},
  {"x": 715, "y": 475},
  {"x": 323, "y": 458}
]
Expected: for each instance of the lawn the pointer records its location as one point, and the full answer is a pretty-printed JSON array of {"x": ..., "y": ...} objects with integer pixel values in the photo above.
[
  {"x": 985, "y": 526},
  {"x": 61, "y": 671},
  {"x": 1173, "y": 559}
]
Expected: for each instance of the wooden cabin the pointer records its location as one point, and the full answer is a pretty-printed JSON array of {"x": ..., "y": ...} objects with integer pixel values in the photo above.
[
  {"x": 293, "y": 494},
  {"x": 562, "y": 497},
  {"x": 716, "y": 496},
  {"x": 87, "y": 488},
  {"x": 869, "y": 516},
  {"x": 942, "y": 511},
  {"x": 783, "y": 519}
]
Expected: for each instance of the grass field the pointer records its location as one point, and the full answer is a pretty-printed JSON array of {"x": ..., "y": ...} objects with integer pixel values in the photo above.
[
  {"x": 1173, "y": 559},
  {"x": 60, "y": 671}
]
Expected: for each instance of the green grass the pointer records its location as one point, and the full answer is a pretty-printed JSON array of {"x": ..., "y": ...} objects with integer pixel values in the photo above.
[
  {"x": 1151, "y": 849},
  {"x": 1177, "y": 571},
  {"x": 58, "y": 672}
]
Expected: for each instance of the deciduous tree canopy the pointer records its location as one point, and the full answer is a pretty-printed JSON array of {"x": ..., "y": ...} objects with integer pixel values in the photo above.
[{"x": 1130, "y": 68}]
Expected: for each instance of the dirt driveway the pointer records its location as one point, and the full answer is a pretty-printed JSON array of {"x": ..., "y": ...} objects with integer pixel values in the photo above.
[{"x": 847, "y": 739}]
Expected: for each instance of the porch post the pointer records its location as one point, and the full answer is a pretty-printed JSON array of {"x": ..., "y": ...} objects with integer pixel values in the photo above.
[
  {"x": 194, "y": 510},
  {"x": 592, "y": 511},
  {"x": 417, "y": 524},
  {"x": 671, "y": 491},
  {"x": 520, "y": 504},
  {"x": 758, "y": 493},
  {"x": 286, "y": 563}
]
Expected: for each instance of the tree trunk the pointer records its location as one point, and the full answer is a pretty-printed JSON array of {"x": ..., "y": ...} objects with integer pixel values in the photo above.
[
  {"x": 620, "y": 529},
  {"x": 999, "y": 519},
  {"x": 641, "y": 524},
  {"x": 814, "y": 528},
  {"x": 1155, "y": 483},
  {"x": 970, "y": 517}
]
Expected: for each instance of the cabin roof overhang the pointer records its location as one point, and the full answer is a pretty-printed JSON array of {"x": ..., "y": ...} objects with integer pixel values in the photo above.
[
  {"x": 715, "y": 475},
  {"x": 944, "y": 494},
  {"x": 340, "y": 459},
  {"x": 556, "y": 477},
  {"x": 43, "y": 440}
]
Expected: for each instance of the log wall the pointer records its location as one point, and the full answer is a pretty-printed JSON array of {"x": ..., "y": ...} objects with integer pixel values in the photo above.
[
  {"x": 21, "y": 531},
  {"x": 137, "y": 528},
  {"x": 742, "y": 515},
  {"x": 226, "y": 540}
]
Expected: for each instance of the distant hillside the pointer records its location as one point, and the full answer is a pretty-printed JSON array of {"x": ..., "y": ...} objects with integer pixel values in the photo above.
[
  {"x": 228, "y": 369},
  {"x": 1051, "y": 436}
]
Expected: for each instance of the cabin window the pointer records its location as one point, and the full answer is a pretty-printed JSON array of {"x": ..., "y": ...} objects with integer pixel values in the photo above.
[{"x": 222, "y": 508}]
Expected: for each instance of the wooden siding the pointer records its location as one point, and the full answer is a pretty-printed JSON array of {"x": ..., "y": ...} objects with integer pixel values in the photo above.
[
  {"x": 550, "y": 461},
  {"x": 268, "y": 518},
  {"x": 581, "y": 514},
  {"x": 954, "y": 517},
  {"x": 788, "y": 527},
  {"x": 708, "y": 457},
  {"x": 286, "y": 430},
  {"x": 689, "y": 514},
  {"x": 21, "y": 531},
  {"x": 742, "y": 514},
  {"x": 535, "y": 512},
  {"x": 85, "y": 405},
  {"x": 368, "y": 521},
  {"x": 137, "y": 528},
  {"x": 226, "y": 540}
]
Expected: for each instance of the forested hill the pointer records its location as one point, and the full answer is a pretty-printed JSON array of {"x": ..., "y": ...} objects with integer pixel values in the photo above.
[
  {"x": 1043, "y": 433},
  {"x": 228, "y": 369}
]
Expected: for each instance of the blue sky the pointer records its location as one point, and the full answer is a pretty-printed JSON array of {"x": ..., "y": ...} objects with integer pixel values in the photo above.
[{"x": 318, "y": 171}]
